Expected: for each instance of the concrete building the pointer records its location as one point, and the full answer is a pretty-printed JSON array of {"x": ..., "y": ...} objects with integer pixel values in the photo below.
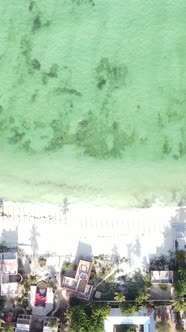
[
  {"x": 9, "y": 277},
  {"x": 164, "y": 277},
  {"x": 28, "y": 323},
  {"x": 79, "y": 284},
  {"x": 162, "y": 286},
  {"x": 179, "y": 236},
  {"x": 41, "y": 299},
  {"x": 144, "y": 320}
]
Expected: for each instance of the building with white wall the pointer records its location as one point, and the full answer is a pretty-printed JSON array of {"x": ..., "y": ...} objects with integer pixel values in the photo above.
[{"x": 143, "y": 318}]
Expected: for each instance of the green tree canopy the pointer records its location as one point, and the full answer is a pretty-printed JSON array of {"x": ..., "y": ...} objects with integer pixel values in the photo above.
[
  {"x": 179, "y": 304},
  {"x": 128, "y": 309},
  {"x": 88, "y": 318},
  {"x": 119, "y": 297}
]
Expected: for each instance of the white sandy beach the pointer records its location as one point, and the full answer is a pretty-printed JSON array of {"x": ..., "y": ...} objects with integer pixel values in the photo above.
[{"x": 137, "y": 234}]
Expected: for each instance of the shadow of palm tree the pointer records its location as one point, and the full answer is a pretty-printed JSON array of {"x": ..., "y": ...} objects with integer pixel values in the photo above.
[
  {"x": 163, "y": 314},
  {"x": 180, "y": 215},
  {"x": 33, "y": 240},
  {"x": 168, "y": 240},
  {"x": 115, "y": 255},
  {"x": 137, "y": 248},
  {"x": 1, "y": 206},
  {"x": 178, "y": 225},
  {"x": 145, "y": 264},
  {"x": 133, "y": 252},
  {"x": 65, "y": 208},
  {"x": 129, "y": 254}
]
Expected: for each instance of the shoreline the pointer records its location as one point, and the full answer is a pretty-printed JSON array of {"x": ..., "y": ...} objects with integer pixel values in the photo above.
[
  {"x": 117, "y": 183},
  {"x": 74, "y": 204},
  {"x": 41, "y": 209}
]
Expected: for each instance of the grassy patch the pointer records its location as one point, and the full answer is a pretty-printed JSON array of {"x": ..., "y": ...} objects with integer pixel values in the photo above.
[{"x": 163, "y": 287}]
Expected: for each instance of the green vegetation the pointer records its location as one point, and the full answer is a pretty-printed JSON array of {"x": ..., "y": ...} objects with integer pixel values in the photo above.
[
  {"x": 119, "y": 297},
  {"x": 163, "y": 287},
  {"x": 42, "y": 261},
  {"x": 142, "y": 298},
  {"x": 128, "y": 329},
  {"x": 181, "y": 258},
  {"x": 138, "y": 286},
  {"x": 138, "y": 289},
  {"x": 27, "y": 286},
  {"x": 53, "y": 323},
  {"x": 179, "y": 304},
  {"x": 87, "y": 318},
  {"x": 180, "y": 284},
  {"x": 33, "y": 279},
  {"x": 128, "y": 309},
  {"x": 159, "y": 262},
  {"x": 163, "y": 326},
  {"x": 93, "y": 275},
  {"x": 67, "y": 266},
  {"x": 3, "y": 247},
  {"x": 108, "y": 290}
]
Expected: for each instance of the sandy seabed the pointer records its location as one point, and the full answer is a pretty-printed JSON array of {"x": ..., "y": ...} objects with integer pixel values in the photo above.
[{"x": 117, "y": 183}]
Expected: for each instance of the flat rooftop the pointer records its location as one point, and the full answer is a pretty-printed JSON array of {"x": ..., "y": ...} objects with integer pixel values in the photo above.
[
  {"x": 80, "y": 281},
  {"x": 158, "y": 277},
  {"x": 8, "y": 273}
]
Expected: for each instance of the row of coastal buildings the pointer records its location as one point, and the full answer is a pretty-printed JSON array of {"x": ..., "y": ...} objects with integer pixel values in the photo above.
[{"x": 42, "y": 297}]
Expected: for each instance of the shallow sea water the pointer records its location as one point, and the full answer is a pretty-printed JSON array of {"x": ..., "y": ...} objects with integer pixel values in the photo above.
[{"x": 93, "y": 101}]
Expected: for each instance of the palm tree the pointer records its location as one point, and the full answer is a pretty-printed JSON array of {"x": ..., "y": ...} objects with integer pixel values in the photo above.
[
  {"x": 67, "y": 266},
  {"x": 8, "y": 328},
  {"x": 27, "y": 287},
  {"x": 119, "y": 297},
  {"x": 52, "y": 323},
  {"x": 33, "y": 279},
  {"x": 142, "y": 298},
  {"x": 180, "y": 257},
  {"x": 179, "y": 304},
  {"x": 128, "y": 309}
]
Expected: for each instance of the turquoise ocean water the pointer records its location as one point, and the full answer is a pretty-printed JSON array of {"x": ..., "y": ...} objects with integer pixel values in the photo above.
[{"x": 93, "y": 101}]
